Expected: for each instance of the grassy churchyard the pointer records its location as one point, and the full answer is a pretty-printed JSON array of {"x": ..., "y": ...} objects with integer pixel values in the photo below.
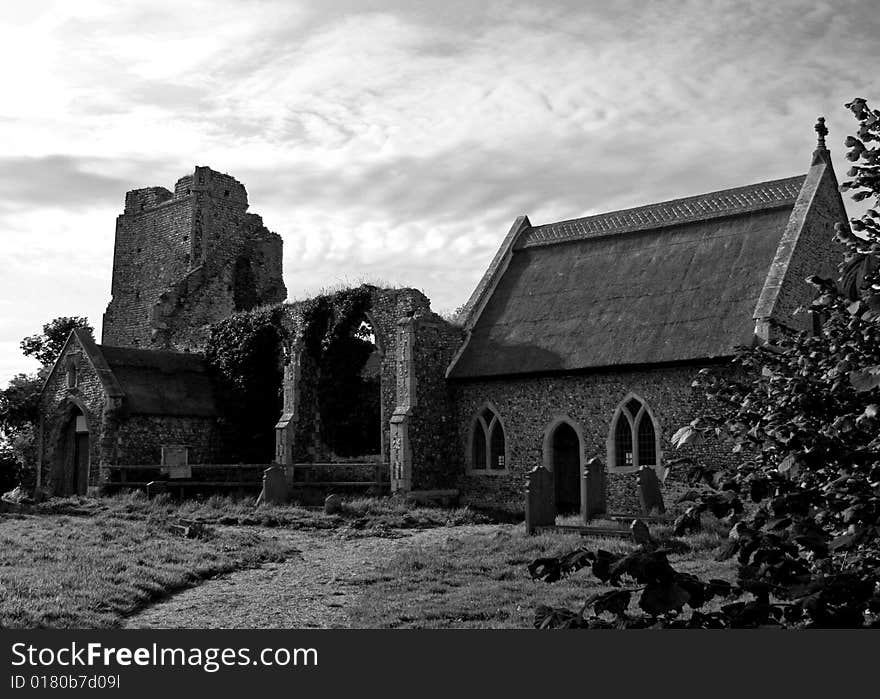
[
  {"x": 479, "y": 579},
  {"x": 96, "y": 563}
]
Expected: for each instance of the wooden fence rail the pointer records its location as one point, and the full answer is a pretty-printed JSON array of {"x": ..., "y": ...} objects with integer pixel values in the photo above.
[
  {"x": 300, "y": 474},
  {"x": 241, "y": 476},
  {"x": 201, "y": 475}
]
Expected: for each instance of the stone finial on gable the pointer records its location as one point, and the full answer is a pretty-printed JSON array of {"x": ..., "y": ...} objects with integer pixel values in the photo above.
[
  {"x": 821, "y": 154},
  {"x": 822, "y": 130}
]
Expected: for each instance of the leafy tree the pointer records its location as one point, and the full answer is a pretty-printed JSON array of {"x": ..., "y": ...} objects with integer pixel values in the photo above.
[
  {"x": 46, "y": 346},
  {"x": 17, "y": 451},
  {"x": 19, "y": 402},
  {"x": 9, "y": 467},
  {"x": 805, "y": 507}
]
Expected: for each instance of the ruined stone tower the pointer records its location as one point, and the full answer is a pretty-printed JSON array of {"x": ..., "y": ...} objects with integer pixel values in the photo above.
[{"x": 186, "y": 259}]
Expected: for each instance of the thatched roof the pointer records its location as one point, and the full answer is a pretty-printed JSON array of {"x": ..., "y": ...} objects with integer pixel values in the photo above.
[
  {"x": 670, "y": 282},
  {"x": 162, "y": 383}
]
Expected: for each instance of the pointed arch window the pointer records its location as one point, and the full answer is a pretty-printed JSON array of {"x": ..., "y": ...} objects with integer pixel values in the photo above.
[
  {"x": 488, "y": 452},
  {"x": 71, "y": 371},
  {"x": 633, "y": 441}
]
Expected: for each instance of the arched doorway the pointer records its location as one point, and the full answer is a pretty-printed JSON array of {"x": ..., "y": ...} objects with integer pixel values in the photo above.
[
  {"x": 565, "y": 462},
  {"x": 75, "y": 479}
]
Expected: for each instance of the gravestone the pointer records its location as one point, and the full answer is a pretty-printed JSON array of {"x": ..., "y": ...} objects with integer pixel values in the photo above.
[
  {"x": 540, "y": 499},
  {"x": 593, "y": 489},
  {"x": 155, "y": 488},
  {"x": 332, "y": 504},
  {"x": 640, "y": 533},
  {"x": 649, "y": 491},
  {"x": 274, "y": 486}
]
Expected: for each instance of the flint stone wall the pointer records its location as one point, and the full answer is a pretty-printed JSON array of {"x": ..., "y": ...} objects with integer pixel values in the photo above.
[
  {"x": 527, "y": 406},
  {"x": 432, "y": 425},
  {"x": 141, "y": 438}
]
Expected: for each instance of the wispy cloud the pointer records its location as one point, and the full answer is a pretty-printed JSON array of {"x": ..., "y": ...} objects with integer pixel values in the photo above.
[
  {"x": 58, "y": 182},
  {"x": 396, "y": 140}
]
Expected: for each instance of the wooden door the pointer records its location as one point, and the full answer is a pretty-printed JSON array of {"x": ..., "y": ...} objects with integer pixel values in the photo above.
[{"x": 81, "y": 463}]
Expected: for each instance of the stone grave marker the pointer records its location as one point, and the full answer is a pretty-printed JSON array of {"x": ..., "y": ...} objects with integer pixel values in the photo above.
[
  {"x": 274, "y": 486},
  {"x": 649, "y": 491},
  {"x": 640, "y": 533},
  {"x": 332, "y": 504},
  {"x": 155, "y": 488},
  {"x": 593, "y": 489},
  {"x": 540, "y": 499}
]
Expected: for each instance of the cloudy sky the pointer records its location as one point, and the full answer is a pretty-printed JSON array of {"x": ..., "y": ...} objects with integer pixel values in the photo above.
[{"x": 395, "y": 140}]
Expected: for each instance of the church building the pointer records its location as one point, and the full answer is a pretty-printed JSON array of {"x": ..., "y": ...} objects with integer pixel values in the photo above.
[
  {"x": 584, "y": 336},
  {"x": 582, "y": 340}
]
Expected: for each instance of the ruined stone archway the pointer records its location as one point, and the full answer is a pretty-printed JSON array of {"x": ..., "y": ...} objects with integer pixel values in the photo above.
[
  {"x": 349, "y": 396},
  {"x": 311, "y": 327}
]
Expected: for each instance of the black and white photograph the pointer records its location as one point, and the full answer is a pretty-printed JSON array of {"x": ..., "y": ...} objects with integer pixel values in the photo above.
[{"x": 438, "y": 314}]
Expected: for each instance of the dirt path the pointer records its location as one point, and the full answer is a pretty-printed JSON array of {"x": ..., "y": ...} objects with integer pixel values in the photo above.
[{"x": 311, "y": 589}]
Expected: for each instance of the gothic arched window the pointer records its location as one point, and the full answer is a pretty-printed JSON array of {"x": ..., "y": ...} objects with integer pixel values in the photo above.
[
  {"x": 488, "y": 446},
  {"x": 633, "y": 441},
  {"x": 71, "y": 372}
]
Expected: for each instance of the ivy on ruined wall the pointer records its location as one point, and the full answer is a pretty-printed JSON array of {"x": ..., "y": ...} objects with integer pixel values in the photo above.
[
  {"x": 246, "y": 352},
  {"x": 329, "y": 317},
  {"x": 346, "y": 402}
]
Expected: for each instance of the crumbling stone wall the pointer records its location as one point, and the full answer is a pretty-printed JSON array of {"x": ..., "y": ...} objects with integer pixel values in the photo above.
[
  {"x": 300, "y": 417},
  {"x": 388, "y": 307},
  {"x": 528, "y": 405},
  {"x": 186, "y": 259}
]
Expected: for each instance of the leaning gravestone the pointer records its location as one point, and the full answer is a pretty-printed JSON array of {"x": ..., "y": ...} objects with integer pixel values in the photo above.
[
  {"x": 540, "y": 499},
  {"x": 649, "y": 491}
]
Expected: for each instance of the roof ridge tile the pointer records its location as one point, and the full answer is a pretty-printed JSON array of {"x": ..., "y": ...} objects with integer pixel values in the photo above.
[{"x": 727, "y": 202}]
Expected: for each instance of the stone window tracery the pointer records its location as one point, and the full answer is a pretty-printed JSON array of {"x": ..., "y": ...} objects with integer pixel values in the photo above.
[
  {"x": 488, "y": 452},
  {"x": 633, "y": 440}
]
